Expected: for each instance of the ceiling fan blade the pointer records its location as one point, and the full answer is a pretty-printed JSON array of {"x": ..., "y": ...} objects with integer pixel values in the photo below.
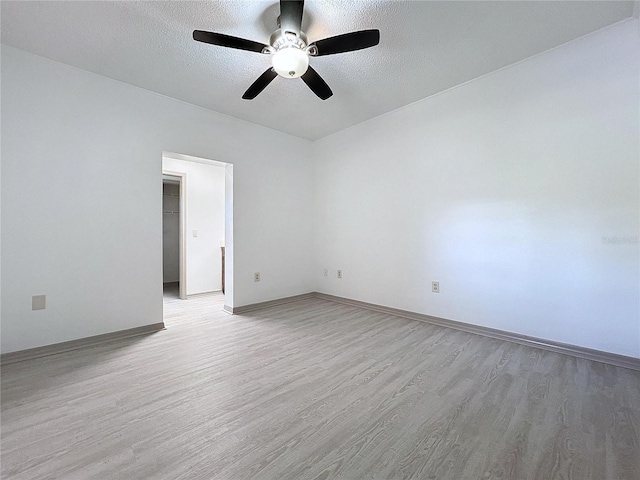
[
  {"x": 347, "y": 42},
  {"x": 228, "y": 41},
  {"x": 260, "y": 84},
  {"x": 291, "y": 15},
  {"x": 317, "y": 84}
]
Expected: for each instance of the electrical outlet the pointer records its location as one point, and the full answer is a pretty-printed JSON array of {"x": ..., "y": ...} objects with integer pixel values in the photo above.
[
  {"x": 195, "y": 233},
  {"x": 38, "y": 302},
  {"x": 435, "y": 287},
  {"x": 256, "y": 277},
  {"x": 326, "y": 272},
  {"x": 339, "y": 273}
]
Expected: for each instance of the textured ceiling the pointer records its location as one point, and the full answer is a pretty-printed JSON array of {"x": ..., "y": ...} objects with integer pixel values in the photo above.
[{"x": 426, "y": 47}]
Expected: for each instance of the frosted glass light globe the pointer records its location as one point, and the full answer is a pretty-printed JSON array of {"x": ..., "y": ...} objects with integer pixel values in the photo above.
[{"x": 290, "y": 62}]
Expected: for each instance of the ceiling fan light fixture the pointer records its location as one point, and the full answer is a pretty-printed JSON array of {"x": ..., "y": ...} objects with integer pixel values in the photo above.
[
  {"x": 290, "y": 62},
  {"x": 290, "y": 49}
]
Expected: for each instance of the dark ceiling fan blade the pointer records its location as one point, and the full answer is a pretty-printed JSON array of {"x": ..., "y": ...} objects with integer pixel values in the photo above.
[
  {"x": 260, "y": 84},
  {"x": 347, "y": 42},
  {"x": 291, "y": 15},
  {"x": 317, "y": 84},
  {"x": 228, "y": 41}
]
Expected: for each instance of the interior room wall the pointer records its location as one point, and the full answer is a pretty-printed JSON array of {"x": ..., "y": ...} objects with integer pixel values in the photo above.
[
  {"x": 518, "y": 192},
  {"x": 170, "y": 232},
  {"x": 82, "y": 201},
  {"x": 205, "y": 215}
]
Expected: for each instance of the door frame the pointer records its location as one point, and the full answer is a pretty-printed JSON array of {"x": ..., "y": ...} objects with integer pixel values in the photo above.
[{"x": 182, "y": 236}]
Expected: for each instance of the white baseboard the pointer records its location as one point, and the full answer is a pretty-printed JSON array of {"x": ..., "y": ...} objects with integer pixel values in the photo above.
[
  {"x": 45, "y": 351},
  {"x": 270, "y": 303},
  {"x": 558, "y": 347}
]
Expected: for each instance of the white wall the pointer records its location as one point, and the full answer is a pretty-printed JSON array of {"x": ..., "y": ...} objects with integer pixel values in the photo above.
[
  {"x": 205, "y": 214},
  {"x": 501, "y": 189},
  {"x": 82, "y": 201}
]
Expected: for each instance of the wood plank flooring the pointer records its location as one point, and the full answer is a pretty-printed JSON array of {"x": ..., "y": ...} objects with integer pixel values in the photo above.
[{"x": 316, "y": 390}]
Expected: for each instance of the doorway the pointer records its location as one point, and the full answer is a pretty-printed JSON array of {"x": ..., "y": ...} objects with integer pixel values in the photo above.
[
  {"x": 198, "y": 213},
  {"x": 173, "y": 222}
]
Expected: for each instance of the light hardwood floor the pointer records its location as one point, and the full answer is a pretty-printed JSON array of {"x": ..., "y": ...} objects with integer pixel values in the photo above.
[{"x": 316, "y": 390}]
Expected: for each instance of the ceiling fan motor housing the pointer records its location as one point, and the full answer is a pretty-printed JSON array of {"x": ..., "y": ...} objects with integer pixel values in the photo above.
[{"x": 290, "y": 58}]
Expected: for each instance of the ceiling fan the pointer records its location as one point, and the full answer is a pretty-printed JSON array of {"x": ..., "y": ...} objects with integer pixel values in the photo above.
[{"x": 290, "y": 50}]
